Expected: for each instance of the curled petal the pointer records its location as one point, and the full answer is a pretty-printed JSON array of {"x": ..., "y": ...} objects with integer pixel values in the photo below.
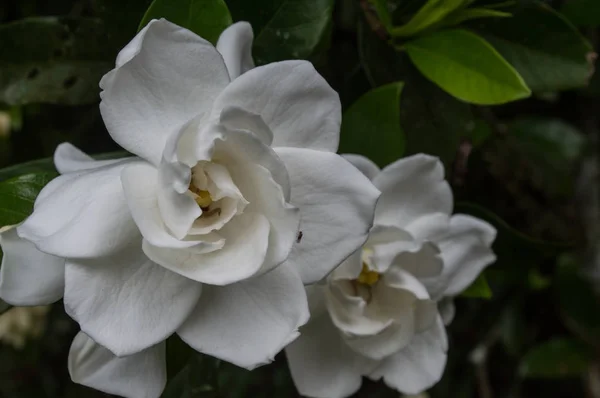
[
  {"x": 297, "y": 104},
  {"x": 245, "y": 243},
  {"x": 69, "y": 159},
  {"x": 410, "y": 188},
  {"x": 365, "y": 165},
  {"x": 235, "y": 45}
]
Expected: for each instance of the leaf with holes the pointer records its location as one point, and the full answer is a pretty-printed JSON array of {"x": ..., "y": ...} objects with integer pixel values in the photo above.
[
  {"x": 53, "y": 60},
  {"x": 285, "y": 29},
  {"x": 206, "y": 18}
]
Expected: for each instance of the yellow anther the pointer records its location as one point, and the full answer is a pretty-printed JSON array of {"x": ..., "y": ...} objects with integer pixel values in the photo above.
[
  {"x": 203, "y": 198},
  {"x": 367, "y": 276}
]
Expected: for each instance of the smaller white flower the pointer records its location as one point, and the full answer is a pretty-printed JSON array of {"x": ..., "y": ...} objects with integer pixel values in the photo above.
[{"x": 378, "y": 314}]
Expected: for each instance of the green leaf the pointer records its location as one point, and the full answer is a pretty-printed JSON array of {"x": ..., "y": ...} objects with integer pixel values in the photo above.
[
  {"x": 383, "y": 13},
  {"x": 556, "y": 358},
  {"x": 18, "y": 194},
  {"x": 584, "y": 13},
  {"x": 461, "y": 16},
  {"x": 53, "y": 60},
  {"x": 467, "y": 67},
  {"x": 552, "y": 57},
  {"x": 371, "y": 126},
  {"x": 431, "y": 13},
  {"x": 285, "y": 29},
  {"x": 433, "y": 122},
  {"x": 478, "y": 289},
  {"x": 206, "y": 18},
  {"x": 554, "y": 148}
]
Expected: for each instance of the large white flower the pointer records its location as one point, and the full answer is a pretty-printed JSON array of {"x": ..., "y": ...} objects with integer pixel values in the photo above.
[
  {"x": 376, "y": 315},
  {"x": 235, "y": 198}
]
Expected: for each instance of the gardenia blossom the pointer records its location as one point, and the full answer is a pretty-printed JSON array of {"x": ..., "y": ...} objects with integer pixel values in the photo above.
[
  {"x": 377, "y": 314},
  {"x": 234, "y": 199}
]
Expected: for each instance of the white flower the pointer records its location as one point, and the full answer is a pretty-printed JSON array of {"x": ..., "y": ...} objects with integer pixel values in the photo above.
[
  {"x": 235, "y": 199},
  {"x": 376, "y": 315}
]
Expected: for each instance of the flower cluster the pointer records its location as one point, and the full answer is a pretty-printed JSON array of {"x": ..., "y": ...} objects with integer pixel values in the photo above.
[{"x": 234, "y": 222}]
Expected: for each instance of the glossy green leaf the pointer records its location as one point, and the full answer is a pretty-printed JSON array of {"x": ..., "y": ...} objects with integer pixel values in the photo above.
[
  {"x": 53, "y": 60},
  {"x": 556, "y": 358},
  {"x": 478, "y": 289},
  {"x": 371, "y": 126},
  {"x": 383, "y": 12},
  {"x": 284, "y": 29},
  {"x": 431, "y": 13},
  {"x": 553, "y": 56},
  {"x": 582, "y": 12},
  {"x": 18, "y": 194},
  {"x": 206, "y": 18},
  {"x": 433, "y": 121},
  {"x": 467, "y": 67},
  {"x": 468, "y": 14}
]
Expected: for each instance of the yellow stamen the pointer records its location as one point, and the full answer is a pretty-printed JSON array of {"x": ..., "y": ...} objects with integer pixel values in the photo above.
[
  {"x": 203, "y": 197},
  {"x": 367, "y": 276}
]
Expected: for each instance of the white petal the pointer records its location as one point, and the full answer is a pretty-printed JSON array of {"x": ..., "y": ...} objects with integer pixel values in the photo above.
[
  {"x": 141, "y": 375},
  {"x": 466, "y": 251},
  {"x": 350, "y": 268},
  {"x": 235, "y": 45},
  {"x": 412, "y": 187},
  {"x": 68, "y": 159},
  {"x": 164, "y": 77},
  {"x": 266, "y": 197},
  {"x": 384, "y": 244},
  {"x": 418, "y": 366},
  {"x": 140, "y": 185},
  {"x": 82, "y": 215},
  {"x": 322, "y": 365},
  {"x": 234, "y": 118},
  {"x": 423, "y": 263},
  {"x": 365, "y": 165},
  {"x": 126, "y": 302},
  {"x": 246, "y": 240},
  {"x": 447, "y": 310},
  {"x": 295, "y": 102},
  {"x": 430, "y": 227},
  {"x": 28, "y": 276},
  {"x": 247, "y": 323},
  {"x": 178, "y": 210},
  {"x": 336, "y": 204}
]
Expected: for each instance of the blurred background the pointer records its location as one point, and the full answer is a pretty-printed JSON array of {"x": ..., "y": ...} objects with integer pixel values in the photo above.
[{"x": 517, "y": 127}]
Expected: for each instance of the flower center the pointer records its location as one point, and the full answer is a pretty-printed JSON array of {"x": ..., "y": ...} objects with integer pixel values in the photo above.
[{"x": 367, "y": 276}]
